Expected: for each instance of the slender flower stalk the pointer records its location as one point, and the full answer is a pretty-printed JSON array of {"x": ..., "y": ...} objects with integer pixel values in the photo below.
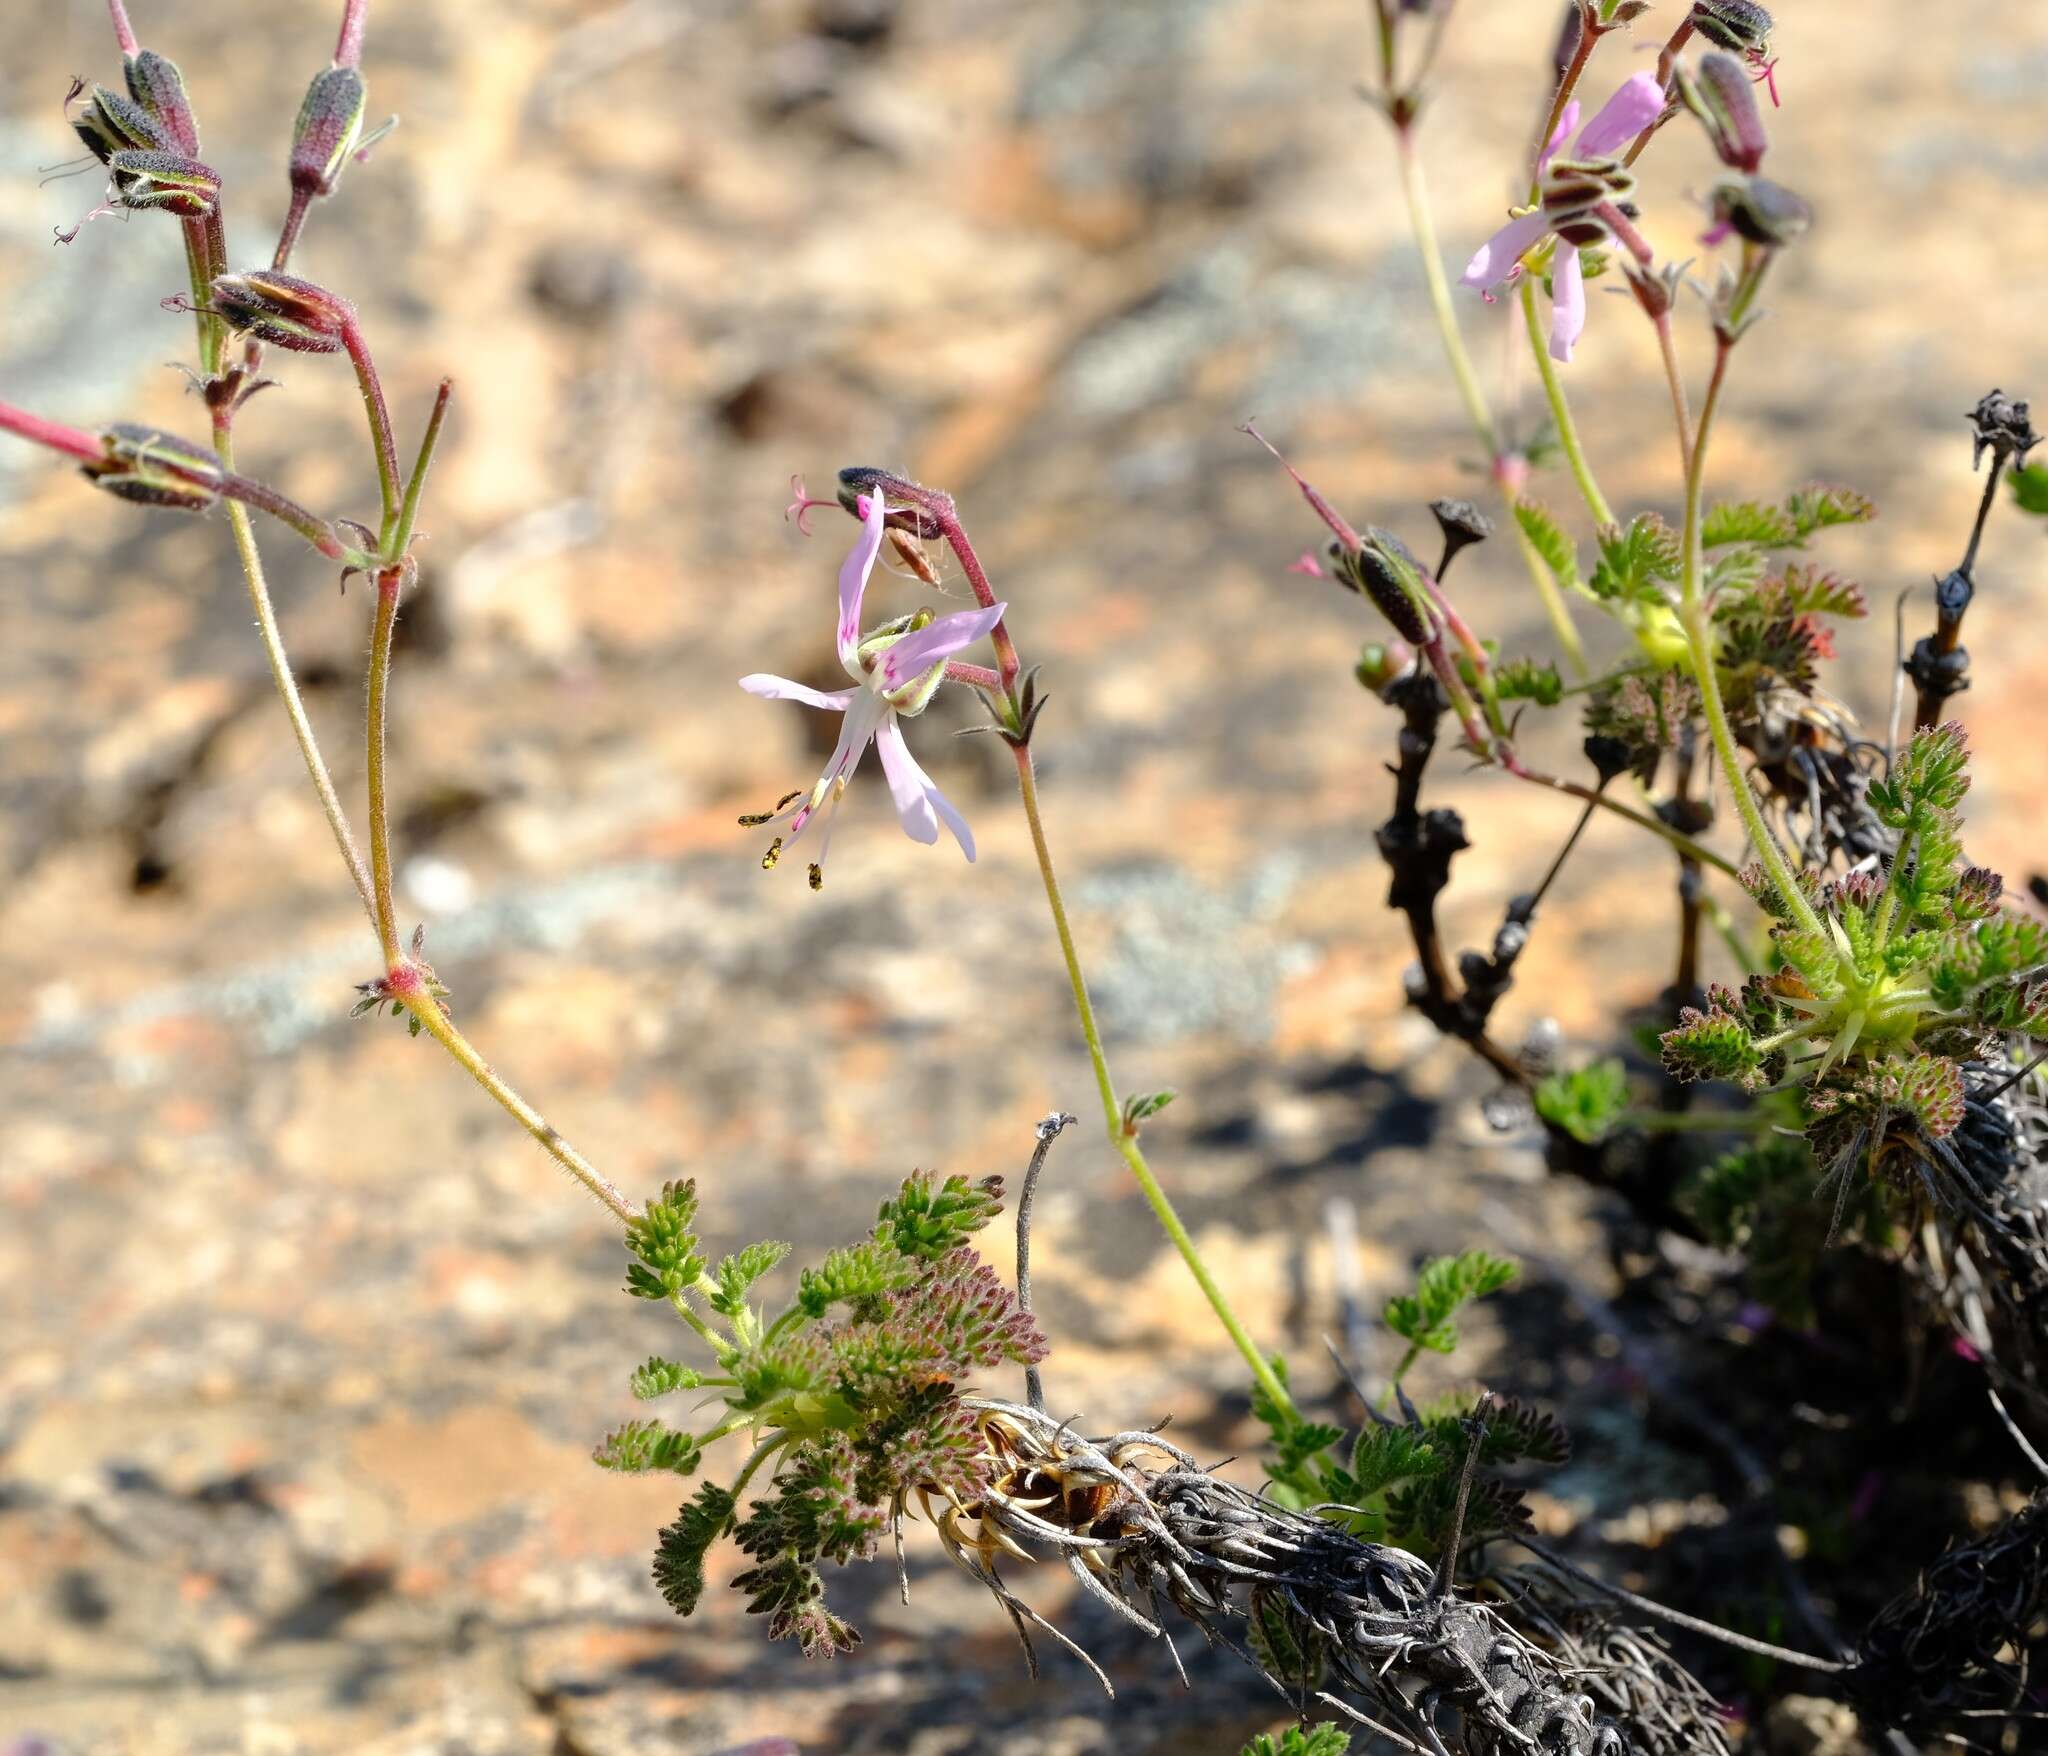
[
  {"x": 1567, "y": 83},
  {"x": 1423, "y": 227},
  {"x": 1561, "y": 414},
  {"x": 383, "y": 628},
  {"x": 272, "y": 637},
  {"x": 348, "y": 49},
  {"x": 1122, "y": 1135},
  {"x": 72, "y": 441},
  {"x": 379, "y": 414},
  {"x": 124, "y": 32}
]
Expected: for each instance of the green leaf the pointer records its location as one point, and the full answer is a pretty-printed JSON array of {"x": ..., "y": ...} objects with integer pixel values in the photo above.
[
  {"x": 1987, "y": 952},
  {"x": 739, "y": 1271},
  {"x": 925, "y": 1220},
  {"x": 1712, "y": 1044},
  {"x": 1735, "y": 575},
  {"x": 1585, "y": 1103},
  {"x": 1931, "y": 775},
  {"x": 1547, "y": 537},
  {"x": 1819, "y": 506},
  {"x": 2030, "y": 489},
  {"x": 682, "y": 1546},
  {"x": 659, "y": 1377},
  {"x": 1321, "y": 1739},
  {"x": 1287, "y": 1648},
  {"x": 660, "y": 1237},
  {"x": 859, "y": 1271},
  {"x": 1140, "y": 1106},
  {"x": 1518, "y": 1432},
  {"x": 645, "y": 1445},
  {"x": 1748, "y": 521},
  {"x": 1637, "y": 562},
  {"x": 1803, "y": 590},
  {"x": 1383, "y": 1456},
  {"x": 1445, "y": 1285},
  {"x": 1527, "y": 680}
]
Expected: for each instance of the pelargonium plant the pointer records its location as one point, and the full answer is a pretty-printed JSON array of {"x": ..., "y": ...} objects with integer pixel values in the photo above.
[{"x": 1873, "y": 1072}]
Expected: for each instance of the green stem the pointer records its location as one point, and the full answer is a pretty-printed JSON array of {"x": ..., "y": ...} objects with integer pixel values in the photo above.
[
  {"x": 381, "y": 633},
  {"x": 1424, "y": 229},
  {"x": 1699, "y": 636},
  {"x": 281, "y": 674},
  {"x": 379, "y": 413},
  {"x": 1561, "y": 410},
  {"x": 1123, "y": 1139},
  {"x": 408, "y": 514},
  {"x": 1642, "y": 819}
]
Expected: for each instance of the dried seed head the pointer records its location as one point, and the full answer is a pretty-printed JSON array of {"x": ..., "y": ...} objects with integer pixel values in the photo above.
[
  {"x": 1463, "y": 524},
  {"x": 1723, "y": 96},
  {"x": 283, "y": 311},
  {"x": 2001, "y": 424},
  {"x": 153, "y": 468},
  {"x": 1739, "y": 25},
  {"x": 1383, "y": 569},
  {"x": 329, "y": 127},
  {"x": 159, "y": 89}
]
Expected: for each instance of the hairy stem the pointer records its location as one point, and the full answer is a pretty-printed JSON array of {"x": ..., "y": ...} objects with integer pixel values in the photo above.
[
  {"x": 1122, "y": 1138},
  {"x": 1561, "y": 410},
  {"x": 348, "y": 50},
  {"x": 379, "y": 413},
  {"x": 381, "y": 633},
  {"x": 124, "y": 32}
]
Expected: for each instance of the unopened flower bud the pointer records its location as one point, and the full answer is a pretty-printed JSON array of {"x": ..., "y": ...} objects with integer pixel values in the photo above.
[
  {"x": 1738, "y": 25},
  {"x": 1380, "y": 662},
  {"x": 1723, "y": 96},
  {"x": 2002, "y": 425},
  {"x": 283, "y": 311},
  {"x": 108, "y": 123},
  {"x": 158, "y": 86},
  {"x": 1762, "y": 211},
  {"x": 1383, "y": 570},
  {"x": 329, "y": 126},
  {"x": 153, "y": 468},
  {"x": 164, "y": 182}
]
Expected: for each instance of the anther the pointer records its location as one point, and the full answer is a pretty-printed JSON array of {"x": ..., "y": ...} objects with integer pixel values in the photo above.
[
  {"x": 817, "y": 876},
  {"x": 773, "y": 854}
]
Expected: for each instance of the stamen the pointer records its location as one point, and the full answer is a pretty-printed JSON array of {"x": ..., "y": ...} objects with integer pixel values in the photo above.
[
  {"x": 817, "y": 877},
  {"x": 754, "y": 819},
  {"x": 773, "y": 854}
]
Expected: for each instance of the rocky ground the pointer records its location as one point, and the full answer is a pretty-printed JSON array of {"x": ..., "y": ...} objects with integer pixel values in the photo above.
[{"x": 306, "y": 1345}]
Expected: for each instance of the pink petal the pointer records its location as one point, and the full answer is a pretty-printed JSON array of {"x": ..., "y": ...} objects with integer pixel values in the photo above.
[
  {"x": 936, "y": 799},
  {"x": 1558, "y": 135},
  {"x": 1568, "y": 304},
  {"x": 1638, "y": 103},
  {"x": 916, "y": 653},
  {"x": 906, "y": 783},
  {"x": 773, "y": 688},
  {"x": 1493, "y": 263},
  {"x": 854, "y": 572}
]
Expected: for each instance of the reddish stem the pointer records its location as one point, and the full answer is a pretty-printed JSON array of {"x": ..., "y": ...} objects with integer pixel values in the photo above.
[
  {"x": 74, "y": 441},
  {"x": 379, "y": 413},
  {"x": 124, "y": 32},
  {"x": 348, "y": 51},
  {"x": 1667, "y": 59},
  {"x": 978, "y": 676},
  {"x": 1007, "y": 662}
]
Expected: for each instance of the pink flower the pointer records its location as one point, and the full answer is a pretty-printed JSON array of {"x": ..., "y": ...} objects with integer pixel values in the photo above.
[
  {"x": 896, "y": 669},
  {"x": 1586, "y": 180}
]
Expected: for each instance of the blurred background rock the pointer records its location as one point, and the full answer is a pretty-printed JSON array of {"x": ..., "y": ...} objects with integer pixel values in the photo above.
[{"x": 305, "y": 1344}]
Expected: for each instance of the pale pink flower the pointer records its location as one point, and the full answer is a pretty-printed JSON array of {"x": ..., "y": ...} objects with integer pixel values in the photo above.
[
  {"x": 1498, "y": 261},
  {"x": 896, "y": 669}
]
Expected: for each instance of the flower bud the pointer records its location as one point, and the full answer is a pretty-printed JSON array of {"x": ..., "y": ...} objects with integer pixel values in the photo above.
[
  {"x": 1762, "y": 211},
  {"x": 1381, "y": 661},
  {"x": 1382, "y": 569},
  {"x": 1738, "y": 25},
  {"x": 108, "y": 123},
  {"x": 283, "y": 311},
  {"x": 329, "y": 126},
  {"x": 1724, "y": 98},
  {"x": 159, "y": 88},
  {"x": 153, "y": 468},
  {"x": 166, "y": 182}
]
